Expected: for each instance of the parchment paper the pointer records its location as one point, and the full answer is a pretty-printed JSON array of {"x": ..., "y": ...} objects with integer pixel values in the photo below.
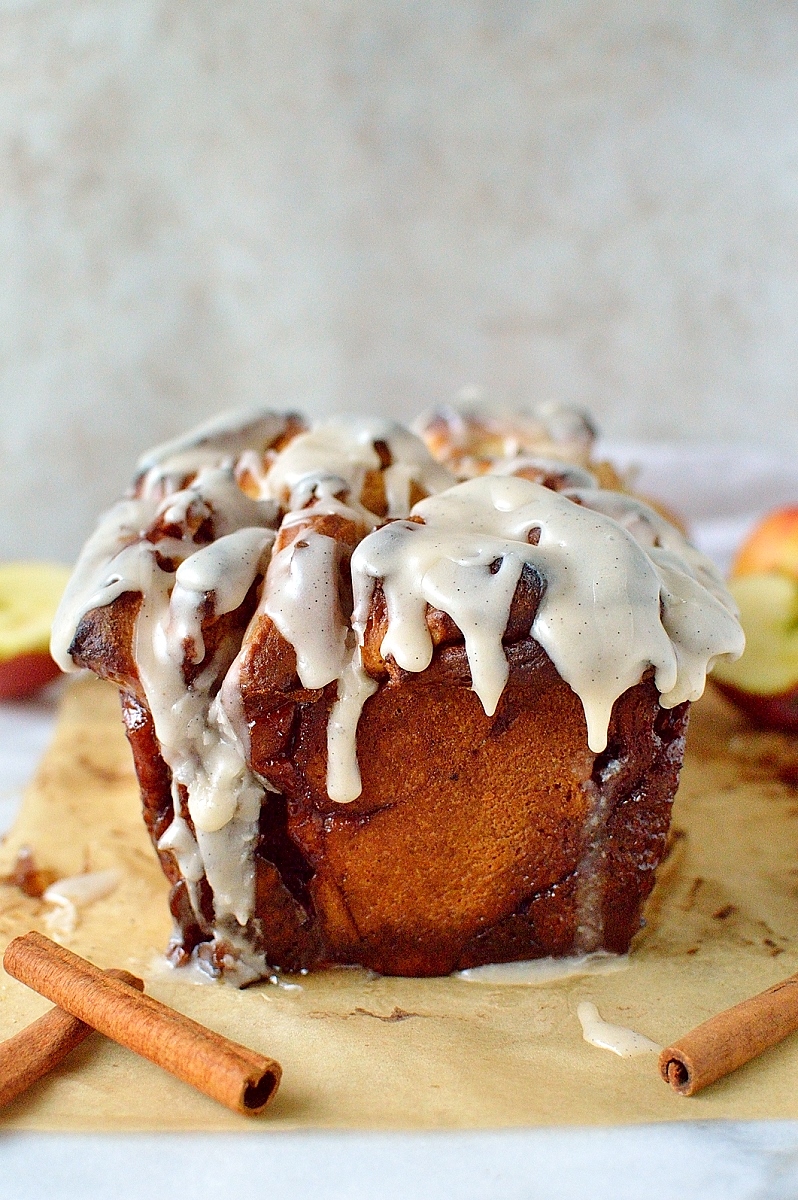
[{"x": 360, "y": 1052}]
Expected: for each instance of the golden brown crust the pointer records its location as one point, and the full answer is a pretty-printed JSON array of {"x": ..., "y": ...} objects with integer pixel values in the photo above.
[
  {"x": 458, "y": 822},
  {"x": 466, "y": 843},
  {"x": 104, "y": 641},
  {"x": 475, "y": 839}
]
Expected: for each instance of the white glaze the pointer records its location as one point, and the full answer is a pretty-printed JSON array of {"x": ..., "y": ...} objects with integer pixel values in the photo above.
[
  {"x": 301, "y": 597},
  {"x": 160, "y": 969},
  {"x": 214, "y": 495},
  {"x": 623, "y": 591},
  {"x": 68, "y": 896},
  {"x": 538, "y": 972},
  {"x": 196, "y": 737},
  {"x": 94, "y": 582},
  {"x": 549, "y": 429},
  {"x": 218, "y": 442},
  {"x": 180, "y": 841},
  {"x": 321, "y": 495},
  {"x": 343, "y": 771},
  {"x": 223, "y": 571},
  {"x": 611, "y": 607},
  {"x": 343, "y": 449},
  {"x": 568, "y": 475},
  {"x": 624, "y": 1042}
]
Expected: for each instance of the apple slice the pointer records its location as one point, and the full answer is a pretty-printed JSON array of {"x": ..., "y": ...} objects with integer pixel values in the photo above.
[
  {"x": 764, "y": 682},
  {"x": 29, "y": 596}
]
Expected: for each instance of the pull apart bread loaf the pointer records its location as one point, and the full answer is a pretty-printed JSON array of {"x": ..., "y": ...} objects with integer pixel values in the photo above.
[{"x": 383, "y": 716}]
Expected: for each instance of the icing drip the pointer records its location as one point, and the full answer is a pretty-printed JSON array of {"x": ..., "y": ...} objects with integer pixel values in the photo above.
[
  {"x": 181, "y": 583},
  {"x": 622, "y": 592},
  {"x": 398, "y": 480},
  {"x": 70, "y": 896},
  {"x": 196, "y": 738},
  {"x": 661, "y": 539},
  {"x": 332, "y": 450},
  {"x": 320, "y": 495},
  {"x": 345, "y": 450},
  {"x": 201, "y": 750},
  {"x": 216, "y": 443},
  {"x": 214, "y": 495},
  {"x": 543, "y": 971},
  {"x": 612, "y": 606},
  {"x": 97, "y": 579},
  {"x": 343, "y": 772},
  {"x": 472, "y": 430},
  {"x": 696, "y": 604},
  {"x": 624, "y": 1042},
  {"x": 180, "y": 841},
  {"x": 566, "y": 475},
  {"x": 567, "y": 427},
  {"x": 301, "y": 597},
  {"x": 225, "y": 569}
]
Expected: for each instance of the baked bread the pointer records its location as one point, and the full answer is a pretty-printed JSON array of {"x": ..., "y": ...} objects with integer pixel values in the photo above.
[
  {"x": 474, "y": 437},
  {"x": 384, "y": 716}
]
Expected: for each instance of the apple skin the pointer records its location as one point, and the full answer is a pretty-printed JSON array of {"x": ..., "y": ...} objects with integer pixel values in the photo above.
[
  {"x": 774, "y": 712},
  {"x": 24, "y": 674},
  {"x": 29, "y": 596},
  {"x": 771, "y": 546}
]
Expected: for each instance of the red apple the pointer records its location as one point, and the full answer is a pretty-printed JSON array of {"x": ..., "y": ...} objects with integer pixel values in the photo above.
[
  {"x": 771, "y": 546},
  {"x": 764, "y": 682},
  {"x": 29, "y": 596}
]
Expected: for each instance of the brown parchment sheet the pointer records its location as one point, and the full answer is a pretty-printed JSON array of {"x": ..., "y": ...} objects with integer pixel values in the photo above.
[{"x": 361, "y": 1052}]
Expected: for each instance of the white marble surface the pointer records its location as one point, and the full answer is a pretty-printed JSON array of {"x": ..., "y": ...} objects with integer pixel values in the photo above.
[
  {"x": 723, "y": 1161},
  {"x": 721, "y": 492},
  {"x": 373, "y": 203}
]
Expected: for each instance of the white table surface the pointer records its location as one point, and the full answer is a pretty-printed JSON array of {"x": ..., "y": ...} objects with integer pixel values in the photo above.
[{"x": 720, "y": 491}]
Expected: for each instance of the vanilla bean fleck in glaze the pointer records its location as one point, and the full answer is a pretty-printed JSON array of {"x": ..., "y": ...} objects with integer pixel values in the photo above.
[{"x": 619, "y": 1039}]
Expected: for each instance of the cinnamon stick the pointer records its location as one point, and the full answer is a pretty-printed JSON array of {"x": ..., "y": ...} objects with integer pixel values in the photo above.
[
  {"x": 42, "y": 1045},
  {"x": 234, "y": 1075},
  {"x": 730, "y": 1039}
]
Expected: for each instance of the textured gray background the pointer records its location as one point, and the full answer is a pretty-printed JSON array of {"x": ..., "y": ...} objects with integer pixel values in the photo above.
[{"x": 376, "y": 202}]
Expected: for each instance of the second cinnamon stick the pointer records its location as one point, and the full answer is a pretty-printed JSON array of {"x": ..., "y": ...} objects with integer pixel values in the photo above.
[
  {"x": 36, "y": 1050},
  {"x": 232, "y": 1074},
  {"x": 731, "y": 1039}
]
